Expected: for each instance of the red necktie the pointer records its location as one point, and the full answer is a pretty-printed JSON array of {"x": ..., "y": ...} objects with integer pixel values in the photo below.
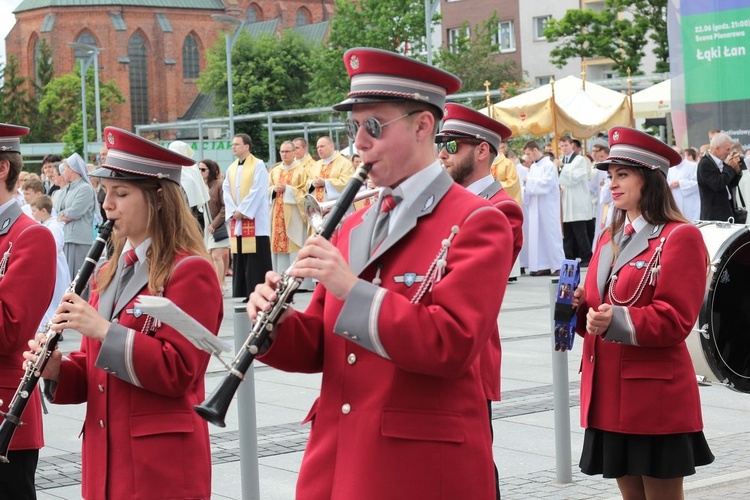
[
  {"x": 130, "y": 258},
  {"x": 629, "y": 230},
  {"x": 387, "y": 204}
]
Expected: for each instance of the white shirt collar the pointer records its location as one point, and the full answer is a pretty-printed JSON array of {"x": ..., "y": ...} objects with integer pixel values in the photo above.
[
  {"x": 140, "y": 252},
  {"x": 478, "y": 186},
  {"x": 638, "y": 224}
]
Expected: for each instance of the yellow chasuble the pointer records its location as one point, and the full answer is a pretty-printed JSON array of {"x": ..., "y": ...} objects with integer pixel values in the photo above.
[
  {"x": 246, "y": 183},
  {"x": 504, "y": 171},
  {"x": 287, "y": 220},
  {"x": 338, "y": 173}
]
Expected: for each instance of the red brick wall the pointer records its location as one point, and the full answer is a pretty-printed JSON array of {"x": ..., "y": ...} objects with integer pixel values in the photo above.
[{"x": 170, "y": 95}]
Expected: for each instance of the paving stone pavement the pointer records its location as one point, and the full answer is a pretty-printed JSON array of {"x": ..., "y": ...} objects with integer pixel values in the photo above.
[{"x": 523, "y": 422}]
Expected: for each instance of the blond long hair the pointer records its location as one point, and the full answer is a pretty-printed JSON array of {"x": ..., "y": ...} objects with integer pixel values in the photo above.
[{"x": 172, "y": 229}]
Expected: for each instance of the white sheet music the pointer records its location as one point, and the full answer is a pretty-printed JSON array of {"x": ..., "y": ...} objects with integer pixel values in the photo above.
[{"x": 166, "y": 311}]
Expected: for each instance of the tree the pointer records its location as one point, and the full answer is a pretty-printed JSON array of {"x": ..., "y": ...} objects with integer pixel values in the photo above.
[
  {"x": 45, "y": 72},
  {"x": 15, "y": 105},
  {"x": 586, "y": 34},
  {"x": 269, "y": 73},
  {"x": 474, "y": 60},
  {"x": 62, "y": 105},
  {"x": 395, "y": 25},
  {"x": 653, "y": 14}
]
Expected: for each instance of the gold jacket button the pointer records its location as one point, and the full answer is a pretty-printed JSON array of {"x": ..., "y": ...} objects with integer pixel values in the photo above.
[
  {"x": 351, "y": 359},
  {"x": 346, "y": 409}
]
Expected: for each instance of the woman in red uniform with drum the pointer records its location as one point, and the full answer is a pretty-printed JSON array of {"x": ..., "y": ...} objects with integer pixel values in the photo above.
[
  {"x": 639, "y": 396},
  {"x": 140, "y": 378}
]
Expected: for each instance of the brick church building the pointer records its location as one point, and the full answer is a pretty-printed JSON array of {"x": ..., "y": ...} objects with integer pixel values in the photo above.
[{"x": 153, "y": 49}]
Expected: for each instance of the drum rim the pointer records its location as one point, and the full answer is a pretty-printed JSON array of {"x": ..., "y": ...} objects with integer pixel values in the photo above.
[{"x": 720, "y": 369}]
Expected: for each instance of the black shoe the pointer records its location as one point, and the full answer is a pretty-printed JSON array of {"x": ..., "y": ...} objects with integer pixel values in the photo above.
[
  {"x": 541, "y": 272},
  {"x": 523, "y": 271},
  {"x": 512, "y": 280}
]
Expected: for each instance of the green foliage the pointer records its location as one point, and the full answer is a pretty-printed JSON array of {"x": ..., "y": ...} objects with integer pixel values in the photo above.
[
  {"x": 474, "y": 60},
  {"x": 584, "y": 33},
  {"x": 45, "y": 72},
  {"x": 15, "y": 100},
  {"x": 61, "y": 105},
  {"x": 395, "y": 25},
  {"x": 652, "y": 13},
  {"x": 269, "y": 73}
]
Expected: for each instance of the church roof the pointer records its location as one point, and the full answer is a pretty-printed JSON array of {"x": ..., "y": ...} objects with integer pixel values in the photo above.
[{"x": 164, "y": 4}]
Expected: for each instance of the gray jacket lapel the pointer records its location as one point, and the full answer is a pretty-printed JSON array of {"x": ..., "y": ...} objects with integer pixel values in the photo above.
[
  {"x": 638, "y": 243},
  {"x": 604, "y": 269},
  {"x": 423, "y": 205},
  {"x": 359, "y": 240},
  {"x": 107, "y": 296},
  {"x": 491, "y": 190},
  {"x": 136, "y": 283},
  {"x": 9, "y": 216}
]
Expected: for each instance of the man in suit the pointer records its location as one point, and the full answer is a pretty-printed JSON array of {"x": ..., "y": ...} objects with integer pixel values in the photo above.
[
  {"x": 576, "y": 201},
  {"x": 467, "y": 146},
  {"x": 718, "y": 177},
  {"x": 27, "y": 249},
  {"x": 409, "y": 296}
]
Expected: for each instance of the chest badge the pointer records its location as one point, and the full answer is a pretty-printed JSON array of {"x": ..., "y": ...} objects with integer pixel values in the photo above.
[
  {"x": 639, "y": 264},
  {"x": 408, "y": 279},
  {"x": 137, "y": 313}
]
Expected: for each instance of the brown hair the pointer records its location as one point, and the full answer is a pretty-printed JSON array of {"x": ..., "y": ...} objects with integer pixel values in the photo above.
[
  {"x": 213, "y": 169},
  {"x": 657, "y": 204},
  {"x": 171, "y": 228},
  {"x": 16, "y": 165},
  {"x": 42, "y": 202},
  {"x": 35, "y": 184}
]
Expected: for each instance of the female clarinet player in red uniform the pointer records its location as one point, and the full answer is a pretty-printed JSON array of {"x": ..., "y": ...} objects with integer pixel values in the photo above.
[
  {"x": 640, "y": 405},
  {"x": 139, "y": 378}
]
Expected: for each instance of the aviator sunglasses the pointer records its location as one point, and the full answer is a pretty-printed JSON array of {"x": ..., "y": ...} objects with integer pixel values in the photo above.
[{"x": 372, "y": 125}]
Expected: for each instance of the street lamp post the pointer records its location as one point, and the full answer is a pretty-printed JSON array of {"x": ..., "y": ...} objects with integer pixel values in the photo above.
[
  {"x": 92, "y": 53},
  {"x": 230, "y": 41}
]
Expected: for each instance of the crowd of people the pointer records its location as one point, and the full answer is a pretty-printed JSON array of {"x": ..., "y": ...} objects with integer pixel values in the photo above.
[{"x": 404, "y": 332}]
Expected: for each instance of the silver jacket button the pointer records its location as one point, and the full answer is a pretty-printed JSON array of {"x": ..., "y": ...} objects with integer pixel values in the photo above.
[
  {"x": 351, "y": 359},
  {"x": 346, "y": 409}
]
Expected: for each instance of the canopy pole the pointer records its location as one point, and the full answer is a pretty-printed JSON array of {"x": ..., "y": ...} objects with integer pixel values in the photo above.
[
  {"x": 487, "y": 95},
  {"x": 630, "y": 99},
  {"x": 554, "y": 117}
]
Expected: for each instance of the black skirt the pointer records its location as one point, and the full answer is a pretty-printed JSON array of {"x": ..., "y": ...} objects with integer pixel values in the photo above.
[{"x": 661, "y": 456}]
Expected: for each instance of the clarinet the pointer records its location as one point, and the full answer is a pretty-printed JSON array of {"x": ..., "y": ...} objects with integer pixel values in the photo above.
[
  {"x": 12, "y": 419},
  {"x": 214, "y": 409}
]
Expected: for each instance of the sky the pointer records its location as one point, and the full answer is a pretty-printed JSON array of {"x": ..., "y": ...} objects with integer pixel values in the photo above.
[{"x": 7, "y": 20}]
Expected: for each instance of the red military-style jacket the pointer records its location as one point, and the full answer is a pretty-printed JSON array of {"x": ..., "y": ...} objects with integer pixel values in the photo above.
[
  {"x": 141, "y": 437},
  {"x": 638, "y": 377},
  {"x": 491, "y": 356},
  {"x": 26, "y": 287},
  {"x": 402, "y": 411}
]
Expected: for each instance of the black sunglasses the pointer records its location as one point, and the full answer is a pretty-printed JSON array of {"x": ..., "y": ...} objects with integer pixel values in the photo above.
[{"x": 372, "y": 125}]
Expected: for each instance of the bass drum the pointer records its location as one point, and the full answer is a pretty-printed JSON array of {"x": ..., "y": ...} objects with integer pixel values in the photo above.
[{"x": 720, "y": 343}]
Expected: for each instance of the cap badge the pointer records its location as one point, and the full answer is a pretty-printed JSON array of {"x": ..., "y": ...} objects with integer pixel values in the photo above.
[
  {"x": 111, "y": 138},
  {"x": 354, "y": 62},
  {"x": 616, "y": 136},
  {"x": 5, "y": 148}
]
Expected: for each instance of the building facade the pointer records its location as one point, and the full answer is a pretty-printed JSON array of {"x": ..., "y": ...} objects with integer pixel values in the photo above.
[{"x": 153, "y": 50}]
